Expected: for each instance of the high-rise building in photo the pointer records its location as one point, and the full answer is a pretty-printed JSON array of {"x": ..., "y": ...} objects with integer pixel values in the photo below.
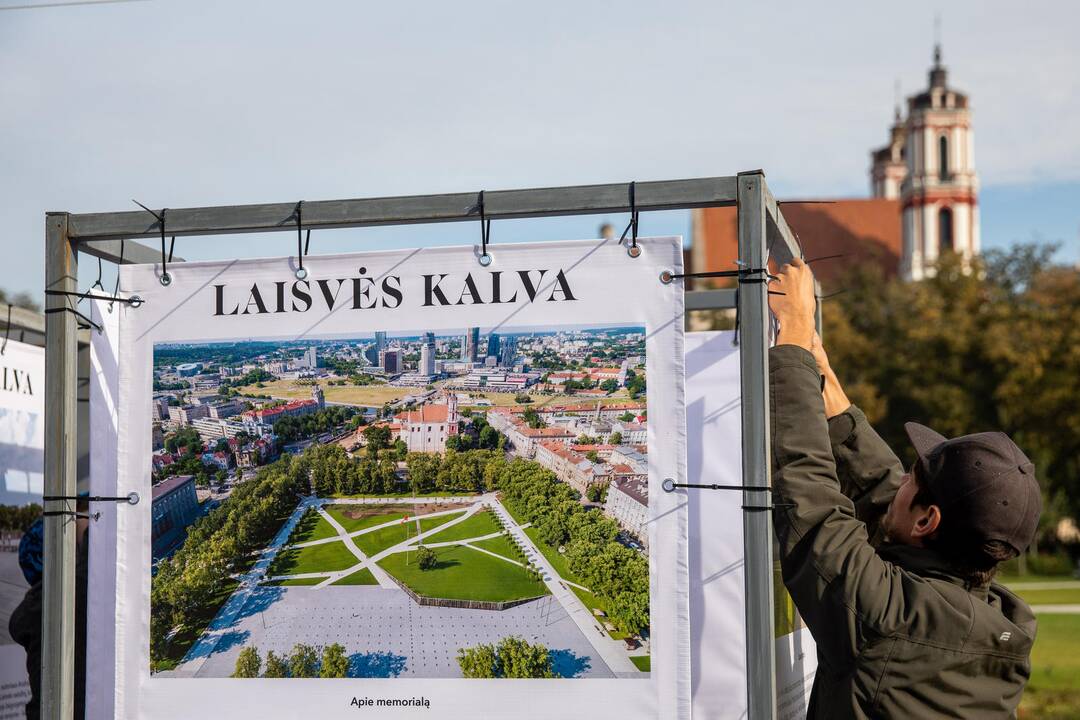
[
  {"x": 390, "y": 361},
  {"x": 374, "y": 353},
  {"x": 493, "y": 346},
  {"x": 508, "y": 350},
  {"x": 427, "y": 354},
  {"x": 472, "y": 345}
]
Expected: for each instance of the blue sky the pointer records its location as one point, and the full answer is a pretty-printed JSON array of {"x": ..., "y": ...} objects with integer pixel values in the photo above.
[{"x": 201, "y": 103}]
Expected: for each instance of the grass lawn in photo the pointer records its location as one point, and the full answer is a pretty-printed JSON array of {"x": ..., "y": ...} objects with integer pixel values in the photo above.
[
  {"x": 362, "y": 576},
  {"x": 190, "y": 632},
  {"x": 326, "y": 557},
  {"x": 358, "y": 517},
  {"x": 312, "y": 526},
  {"x": 297, "y": 582},
  {"x": 462, "y": 573},
  {"x": 642, "y": 662},
  {"x": 481, "y": 523},
  {"x": 369, "y": 395},
  {"x": 1053, "y": 596},
  {"x": 433, "y": 522},
  {"x": 376, "y": 541},
  {"x": 500, "y": 546}
]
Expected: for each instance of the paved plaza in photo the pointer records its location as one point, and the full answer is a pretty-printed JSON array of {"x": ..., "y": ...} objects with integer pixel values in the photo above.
[{"x": 386, "y": 634}]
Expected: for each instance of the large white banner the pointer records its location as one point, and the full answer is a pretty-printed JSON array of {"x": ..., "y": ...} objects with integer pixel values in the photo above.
[
  {"x": 420, "y": 476},
  {"x": 717, "y": 595},
  {"x": 22, "y": 460}
]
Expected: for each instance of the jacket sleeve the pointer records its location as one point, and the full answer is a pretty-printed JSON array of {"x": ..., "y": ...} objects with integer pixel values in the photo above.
[
  {"x": 835, "y": 577},
  {"x": 868, "y": 471}
]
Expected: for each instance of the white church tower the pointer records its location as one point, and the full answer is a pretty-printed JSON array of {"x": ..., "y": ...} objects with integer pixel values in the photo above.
[{"x": 939, "y": 191}]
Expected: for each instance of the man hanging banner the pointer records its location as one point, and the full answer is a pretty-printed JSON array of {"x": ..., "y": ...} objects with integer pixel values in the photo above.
[
  {"x": 22, "y": 443},
  {"x": 408, "y": 471}
]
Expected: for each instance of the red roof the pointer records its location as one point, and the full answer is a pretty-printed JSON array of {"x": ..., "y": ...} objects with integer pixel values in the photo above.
[
  {"x": 426, "y": 414},
  {"x": 271, "y": 412},
  {"x": 863, "y": 230}
]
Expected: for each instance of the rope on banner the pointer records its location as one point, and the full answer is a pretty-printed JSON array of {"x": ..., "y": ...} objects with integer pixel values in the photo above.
[
  {"x": 301, "y": 245},
  {"x": 632, "y": 250},
  {"x": 670, "y": 485},
  {"x": 88, "y": 322},
  {"x": 132, "y": 498},
  {"x": 134, "y": 300},
  {"x": 166, "y": 278}
]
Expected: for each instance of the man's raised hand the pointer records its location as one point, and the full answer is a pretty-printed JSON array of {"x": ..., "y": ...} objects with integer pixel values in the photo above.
[{"x": 795, "y": 307}]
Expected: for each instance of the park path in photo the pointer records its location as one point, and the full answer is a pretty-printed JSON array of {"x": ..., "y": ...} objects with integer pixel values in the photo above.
[{"x": 230, "y": 629}]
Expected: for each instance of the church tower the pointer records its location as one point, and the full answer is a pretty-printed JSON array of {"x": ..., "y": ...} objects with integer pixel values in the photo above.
[{"x": 938, "y": 195}]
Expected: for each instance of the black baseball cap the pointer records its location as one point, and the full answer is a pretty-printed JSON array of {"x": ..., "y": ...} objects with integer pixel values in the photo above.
[{"x": 984, "y": 484}]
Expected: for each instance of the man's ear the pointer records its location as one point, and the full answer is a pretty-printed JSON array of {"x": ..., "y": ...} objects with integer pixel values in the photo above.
[{"x": 927, "y": 523}]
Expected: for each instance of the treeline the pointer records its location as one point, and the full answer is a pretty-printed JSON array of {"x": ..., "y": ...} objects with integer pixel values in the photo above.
[
  {"x": 185, "y": 585},
  {"x": 375, "y": 471},
  {"x": 249, "y": 378},
  {"x": 988, "y": 347},
  {"x": 303, "y": 662},
  {"x": 301, "y": 427},
  {"x": 513, "y": 657},
  {"x": 222, "y": 353},
  {"x": 335, "y": 473},
  {"x": 615, "y": 573},
  {"x": 19, "y": 518}
]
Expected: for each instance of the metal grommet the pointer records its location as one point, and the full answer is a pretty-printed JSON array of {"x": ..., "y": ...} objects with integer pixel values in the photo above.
[
  {"x": 668, "y": 485},
  {"x": 133, "y": 498},
  {"x": 485, "y": 259},
  {"x": 666, "y": 277},
  {"x": 134, "y": 301},
  {"x": 165, "y": 279},
  {"x": 633, "y": 251},
  {"x": 301, "y": 273}
]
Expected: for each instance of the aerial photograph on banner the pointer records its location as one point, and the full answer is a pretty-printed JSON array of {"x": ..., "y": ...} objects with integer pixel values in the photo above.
[{"x": 425, "y": 504}]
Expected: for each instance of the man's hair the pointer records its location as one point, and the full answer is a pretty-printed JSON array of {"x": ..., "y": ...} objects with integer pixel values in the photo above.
[{"x": 973, "y": 561}]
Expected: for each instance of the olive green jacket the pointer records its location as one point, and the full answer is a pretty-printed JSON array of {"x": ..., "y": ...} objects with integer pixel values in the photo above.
[{"x": 898, "y": 635}]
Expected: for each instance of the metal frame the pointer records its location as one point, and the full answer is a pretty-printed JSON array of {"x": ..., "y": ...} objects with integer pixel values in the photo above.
[{"x": 761, "y": 228}]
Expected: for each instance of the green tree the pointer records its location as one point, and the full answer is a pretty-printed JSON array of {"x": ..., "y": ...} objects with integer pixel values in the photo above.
[
  {"x": 627, "y": 416},
  {"x": 478, "y": 662},
  {"x": 425, "y": 558},
  {"x": 532, "y": 418},
  {"x": 247, "y": 663},
  {"x": 609, "y": 385},
  {"x": 615, "y": 439},
  {"x": 276, "y": 666},
  {"x": 520, "y": 659},
  {"x": 303, "y": 661},
  {"x": 377, "y": 437},
  {"x": 335, "y": 664},
  {"x": 987, "y": 345}
]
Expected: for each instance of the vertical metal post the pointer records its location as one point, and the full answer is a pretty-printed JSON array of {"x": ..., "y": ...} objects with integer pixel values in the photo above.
[
  {"x": 757, "y": 524},
  {"x": 61, "y": 451}
]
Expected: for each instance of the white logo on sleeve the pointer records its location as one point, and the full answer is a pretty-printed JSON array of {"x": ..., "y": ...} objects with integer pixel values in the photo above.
[{"x": 1005, "y": 636}]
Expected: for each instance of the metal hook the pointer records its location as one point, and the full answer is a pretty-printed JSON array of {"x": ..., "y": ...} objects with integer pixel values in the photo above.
[
  {"x": 633, "y": 250},
  {"x": 165, "y": 278},
  {"x": 301, "y": 249},
  {"x": 485, "y": 232}
]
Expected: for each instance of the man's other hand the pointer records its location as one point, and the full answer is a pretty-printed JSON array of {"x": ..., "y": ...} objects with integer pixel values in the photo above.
[{"x": 795, "y": 307}]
